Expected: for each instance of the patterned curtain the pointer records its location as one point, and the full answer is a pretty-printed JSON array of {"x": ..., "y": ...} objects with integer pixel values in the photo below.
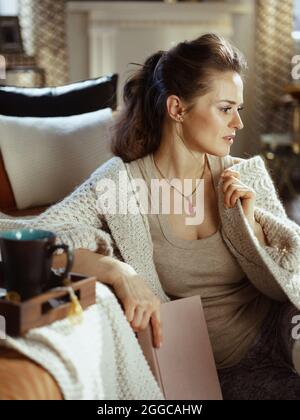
[
  {"x": 43, "y": 24},
  {"x": 273, "y": 54}
]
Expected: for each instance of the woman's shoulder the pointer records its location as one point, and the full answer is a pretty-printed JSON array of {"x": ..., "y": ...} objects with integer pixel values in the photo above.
[
  {"x": 109, "y": 168},
  {"x": 254, "y": 173},
  {"x": 254, "y": 163},
  {"x": 115, "y": 166},
  {"x": 252, "y": 170}
]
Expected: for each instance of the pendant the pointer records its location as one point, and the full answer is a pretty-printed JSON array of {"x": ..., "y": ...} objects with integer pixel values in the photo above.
[{"x": 192, "y": 211}]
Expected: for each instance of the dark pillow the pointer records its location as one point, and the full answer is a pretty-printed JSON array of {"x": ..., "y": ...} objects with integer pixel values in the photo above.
[{"x": 72, "y": 99}]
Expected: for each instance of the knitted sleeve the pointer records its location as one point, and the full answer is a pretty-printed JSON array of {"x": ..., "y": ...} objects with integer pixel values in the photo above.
[
  {"x": 282, "y": 234},
  {"x": 75, "y": 220},
  {"x": 272, "y": 269}
]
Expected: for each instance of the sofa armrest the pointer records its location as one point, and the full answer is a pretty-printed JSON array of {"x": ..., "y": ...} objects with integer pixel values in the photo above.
[
  {"x": 23, "y": 379},
  {"x": 14, "y": 212}
]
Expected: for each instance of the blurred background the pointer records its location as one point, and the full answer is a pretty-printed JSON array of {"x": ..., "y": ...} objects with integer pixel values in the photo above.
[{"x": 53, "y": 43}]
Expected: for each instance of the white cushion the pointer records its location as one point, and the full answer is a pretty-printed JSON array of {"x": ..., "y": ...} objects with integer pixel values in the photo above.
[{"x": 46, "y": 158}]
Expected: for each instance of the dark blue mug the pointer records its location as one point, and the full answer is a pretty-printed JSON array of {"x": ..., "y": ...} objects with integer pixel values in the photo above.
[{"x": 27, "y": 258}]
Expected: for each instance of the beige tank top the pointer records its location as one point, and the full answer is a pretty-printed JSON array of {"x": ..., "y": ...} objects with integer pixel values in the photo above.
[{"x": 234, "y": 309}]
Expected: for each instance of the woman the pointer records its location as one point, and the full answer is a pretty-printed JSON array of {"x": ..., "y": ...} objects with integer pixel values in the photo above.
[{"x": 181, "y": 116}]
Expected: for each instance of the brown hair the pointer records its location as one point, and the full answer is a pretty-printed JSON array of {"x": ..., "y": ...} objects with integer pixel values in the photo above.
[{"x": 185, "y": 71}]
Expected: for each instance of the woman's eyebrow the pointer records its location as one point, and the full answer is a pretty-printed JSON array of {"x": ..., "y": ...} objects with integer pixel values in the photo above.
[{"x": 230, "y": 102}]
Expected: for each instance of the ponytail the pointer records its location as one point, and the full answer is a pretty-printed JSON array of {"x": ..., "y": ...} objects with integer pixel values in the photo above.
[{"x": 137, "y": 131}]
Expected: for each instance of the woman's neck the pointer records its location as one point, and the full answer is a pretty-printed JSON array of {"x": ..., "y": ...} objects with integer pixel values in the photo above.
[{"x": 175, "y": 161}]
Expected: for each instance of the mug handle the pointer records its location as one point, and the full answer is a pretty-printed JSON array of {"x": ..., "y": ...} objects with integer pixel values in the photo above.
[{"x": 70, "y": 258}]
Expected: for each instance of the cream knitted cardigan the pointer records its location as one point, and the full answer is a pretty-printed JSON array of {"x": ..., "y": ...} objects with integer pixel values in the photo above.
[
  {"x": 79, "y": 222},
  {"x": 274, "y": 269}
]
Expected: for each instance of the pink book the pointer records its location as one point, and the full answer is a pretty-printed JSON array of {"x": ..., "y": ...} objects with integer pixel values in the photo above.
[{"x": 184, "y": 365}]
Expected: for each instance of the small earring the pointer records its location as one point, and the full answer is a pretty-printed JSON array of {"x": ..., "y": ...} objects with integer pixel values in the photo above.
[{"x": 179, "y": 118}]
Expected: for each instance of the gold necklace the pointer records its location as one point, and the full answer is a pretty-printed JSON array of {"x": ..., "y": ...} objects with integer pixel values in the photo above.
[{"x": 191, "y": 208}]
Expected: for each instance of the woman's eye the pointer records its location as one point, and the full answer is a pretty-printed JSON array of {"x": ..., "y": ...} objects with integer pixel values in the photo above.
[
  {"x": 225, "y": 110},
  {"x": 229, "y": 108}
]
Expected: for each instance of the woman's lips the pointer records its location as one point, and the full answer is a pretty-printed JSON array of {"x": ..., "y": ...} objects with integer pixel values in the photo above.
[{"x": 229, "y": 139}]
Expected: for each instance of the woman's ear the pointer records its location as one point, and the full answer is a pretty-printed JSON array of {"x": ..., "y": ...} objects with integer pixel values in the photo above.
[{"x": 175, "y": 108}]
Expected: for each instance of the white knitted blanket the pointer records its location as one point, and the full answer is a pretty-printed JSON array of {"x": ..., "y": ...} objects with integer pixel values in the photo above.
[{"x": 97, "y": 359}]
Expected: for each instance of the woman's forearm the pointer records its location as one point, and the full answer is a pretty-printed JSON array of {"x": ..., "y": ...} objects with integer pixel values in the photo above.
[
  {"x": 259, "y": 233},
  {"x": 89, "y": 263}
]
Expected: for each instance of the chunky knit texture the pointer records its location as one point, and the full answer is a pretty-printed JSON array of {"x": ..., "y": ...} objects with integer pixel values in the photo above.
[
  {"x": 273, "y": 269},
  {"x": 81, "y": 222},
  {"x": 98, "y": 359}
]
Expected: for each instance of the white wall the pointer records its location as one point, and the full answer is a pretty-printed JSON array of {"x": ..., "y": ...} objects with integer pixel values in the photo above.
[
  {"x": 243, "y": 38},
  {"x": 9, "y": 7},
  {"x": 78, "y": 46}
]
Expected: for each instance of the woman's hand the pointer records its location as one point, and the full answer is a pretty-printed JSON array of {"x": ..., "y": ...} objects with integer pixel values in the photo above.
[
  {"x": 234, "y": 189},
  {"x": 139, "y": 302},
  {"x": 141, "y": 306}
]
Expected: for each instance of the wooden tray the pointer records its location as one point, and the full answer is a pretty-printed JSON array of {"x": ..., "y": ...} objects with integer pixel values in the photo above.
[{"x": 46, "y": 308}]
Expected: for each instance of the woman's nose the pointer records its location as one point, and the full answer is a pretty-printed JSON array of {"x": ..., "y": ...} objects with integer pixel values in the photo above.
[{"x": 237, "y": 122}]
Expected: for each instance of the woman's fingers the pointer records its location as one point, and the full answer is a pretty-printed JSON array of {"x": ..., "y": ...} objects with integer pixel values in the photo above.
[
  {"x": 229, "y": 191},
  {"x": 140, "y": 304},
  {"x": 238, "y": 193},
  {"x": 138, "y": 316},
  {"x": 233, "y": 188},
  {"x": 129, "y": 309},
  {"x": 229, "y": 172},
  {"x": 228, "y": 181},
  {"x": 156, "y": 328},
  {"x": 142, "y": 319}
]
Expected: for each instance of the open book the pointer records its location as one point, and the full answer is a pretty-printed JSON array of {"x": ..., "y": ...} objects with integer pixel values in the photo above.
[{"x": 184, "y": 365}]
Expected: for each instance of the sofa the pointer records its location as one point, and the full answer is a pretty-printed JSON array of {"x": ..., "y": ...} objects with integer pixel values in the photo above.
[
  {"x": 18, "y": 104},
  {"x": 20, "y": 377}
]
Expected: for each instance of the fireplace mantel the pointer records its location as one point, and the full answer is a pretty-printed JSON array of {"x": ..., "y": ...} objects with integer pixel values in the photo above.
[
  {"x": 123, "y": 32},
  {"x": 154, "y": 11}
]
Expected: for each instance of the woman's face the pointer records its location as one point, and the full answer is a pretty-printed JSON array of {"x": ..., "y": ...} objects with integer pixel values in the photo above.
[{"x": 215, "y": 116}]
